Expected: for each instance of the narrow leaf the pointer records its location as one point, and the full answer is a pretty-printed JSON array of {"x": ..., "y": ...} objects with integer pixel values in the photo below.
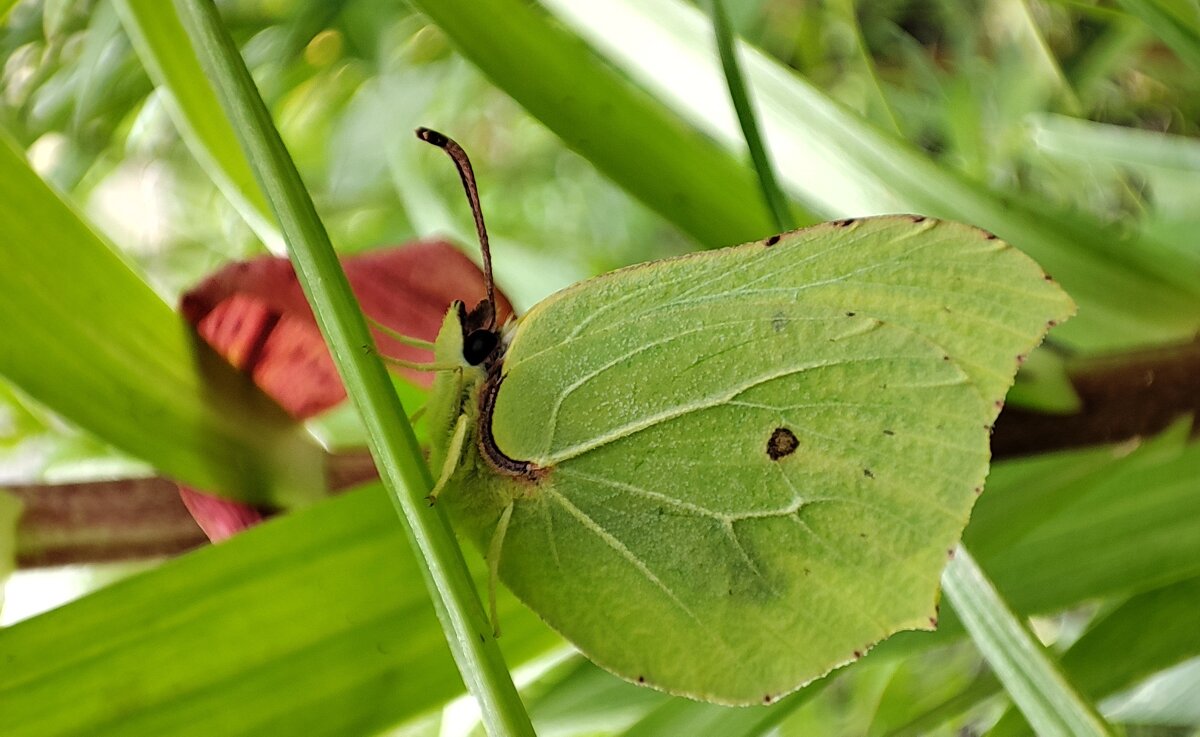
[
  {"x": 315, "y": 623},
  {"x": 1033, "y": 681},
  {"x": 643, "y": 147},
  {"x": 1181, "y": 36},
  {"x": 163, "y": 46},
  {"x": 775, "y": 199},
  {"x": 120, "y": 363},
  {"x": 1162, "y": 625}
]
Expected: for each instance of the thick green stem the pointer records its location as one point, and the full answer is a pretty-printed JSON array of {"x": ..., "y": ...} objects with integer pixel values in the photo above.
[{"x": 397, "y": 454}]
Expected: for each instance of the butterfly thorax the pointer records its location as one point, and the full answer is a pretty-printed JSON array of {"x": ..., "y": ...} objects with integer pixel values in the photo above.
[{"x": 465, "y": 340}]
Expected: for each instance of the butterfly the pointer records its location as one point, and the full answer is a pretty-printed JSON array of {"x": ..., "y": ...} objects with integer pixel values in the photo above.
[{"x": 725, "y": 474}]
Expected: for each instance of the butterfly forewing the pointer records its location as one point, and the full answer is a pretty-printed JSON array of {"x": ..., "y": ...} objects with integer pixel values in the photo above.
[{"x": 756, "y": 459}]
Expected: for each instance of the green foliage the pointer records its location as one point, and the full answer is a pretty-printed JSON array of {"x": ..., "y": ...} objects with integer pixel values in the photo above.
[{"x": 1067, "y": 128}]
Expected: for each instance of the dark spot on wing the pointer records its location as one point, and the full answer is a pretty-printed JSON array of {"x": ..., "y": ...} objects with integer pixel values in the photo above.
[
  {"x": 990, "y": 236},
  {"x": 868, "y": 474},
  {"x": 917, "y": 218},
  {"x": 933, "y": 622},
  {"x": 889, "y": 432},
  {"x": 779, "y": 322},
  {"x": 843, "y": 223},
  {"x": 772, "y": 241},
  {"x": 782, "y": 443},
  {"x": 858, "y": 654},
  {"x": 850, "y": 314},
  {"x": 767, "y": 699},
  {"x": 641, "y": 679}
]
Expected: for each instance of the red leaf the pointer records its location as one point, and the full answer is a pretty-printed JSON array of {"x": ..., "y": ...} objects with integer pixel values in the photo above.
[{"x": 254, "y": 313}]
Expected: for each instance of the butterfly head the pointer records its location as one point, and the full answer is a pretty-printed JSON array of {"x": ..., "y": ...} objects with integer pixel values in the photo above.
[
  {"x": 481, "y": 336},
  {"x": 481, "y": 339}
]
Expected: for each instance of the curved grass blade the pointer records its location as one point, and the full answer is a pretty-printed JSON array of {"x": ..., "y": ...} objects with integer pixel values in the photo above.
[
  {"x": 393, "y": 444},
  {"x": 162, "y": 45},
  {"x": 774, "y": 197},
  {"x": 1181, "y": 36},
  {"x": 314, "y": 623},
  {"x": 1034, "y": 682},
  {"x": 623, "y": 130},
  {"x": 87, "y": 337}
]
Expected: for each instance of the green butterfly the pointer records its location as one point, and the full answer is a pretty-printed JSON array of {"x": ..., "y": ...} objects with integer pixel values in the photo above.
[{"x": 725, "y": 474}]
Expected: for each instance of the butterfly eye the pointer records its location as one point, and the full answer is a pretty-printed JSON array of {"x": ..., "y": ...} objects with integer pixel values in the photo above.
[{"x": 479, "y": 345}]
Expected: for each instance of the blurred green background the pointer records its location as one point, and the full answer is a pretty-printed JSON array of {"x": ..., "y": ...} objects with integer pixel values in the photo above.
[{"x": 601, "y": 137}]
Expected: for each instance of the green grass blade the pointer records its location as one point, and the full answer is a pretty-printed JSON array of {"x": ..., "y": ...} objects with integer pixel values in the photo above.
[
  {"x": 774, "y": 197},
  {"x": 624, "y": 131},
  {"x": 1034, "y": 682},
  {"x": 393, "y": 444},
  {"x": 315, "y": 624},
  {"x": 884, "y": 114},
  {"x": 1182, "y": 36},
  {"x": 1043, "y": 58},
  {"x": 1085, "y": 140},
  {"x": 87, "y": 337},
  {"x": 162, "y": 45},
  {"x": 1127, "y": 531},
  {"x": 1161, "y": 622}
]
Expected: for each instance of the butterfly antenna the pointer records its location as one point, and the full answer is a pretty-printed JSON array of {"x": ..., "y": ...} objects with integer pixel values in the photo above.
[{"x": 467, "y": 175}]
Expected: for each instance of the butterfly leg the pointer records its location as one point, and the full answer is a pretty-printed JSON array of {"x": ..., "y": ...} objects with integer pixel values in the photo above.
[
  {"x": 493, "y": 558},
  {"x": 418, "y": 366},
  {"x": 399, "y": 337},
  {"x": 453, "y": 454},
  {"x": 416, "y": 416}
]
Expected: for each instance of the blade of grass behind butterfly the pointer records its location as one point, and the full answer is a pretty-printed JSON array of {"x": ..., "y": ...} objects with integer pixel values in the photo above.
[
  {"x": 1162, "y": 624},
  {"x": 393, "y": 444},
  {"x": 1101, "y": 662},
  {"x": 87, "y": 337},
  {"x": 842, "y": 165},
  {"x": 313, "y": 623},
  {"x": 621, "y": 129},
  {"x": 1173, "y": 28},
  {"x": 1035, "y": 683},
  {"x": 773, "y": 196},
  {"x": 162, "y": 45}
]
